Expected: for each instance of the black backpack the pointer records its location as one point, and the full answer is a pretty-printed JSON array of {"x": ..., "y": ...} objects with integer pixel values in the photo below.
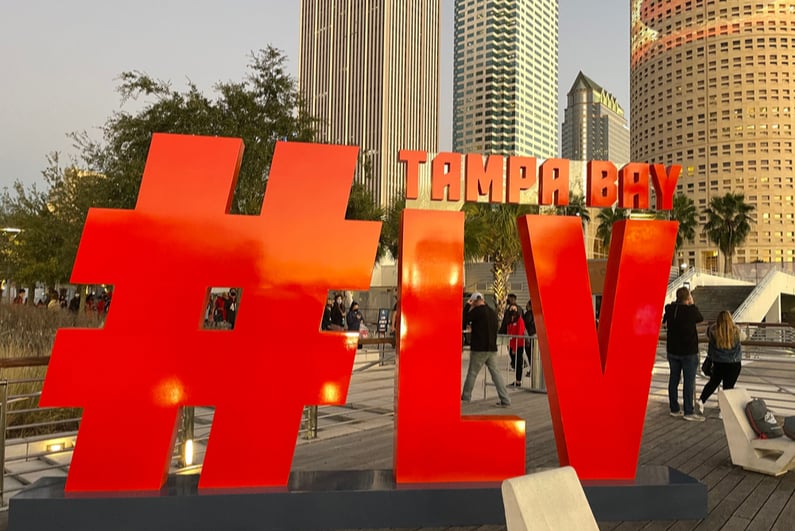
[{"x": 762, "y": 420}]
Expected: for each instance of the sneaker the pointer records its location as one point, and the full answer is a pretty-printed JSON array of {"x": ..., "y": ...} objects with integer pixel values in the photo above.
[
  {"x": 694, "y": 417},
  {"x": 515, "y": 384},
  {"x": 676, "y": 413},
  {"x": 698, "y": 407},
  {"x": 500, "y": 404}
]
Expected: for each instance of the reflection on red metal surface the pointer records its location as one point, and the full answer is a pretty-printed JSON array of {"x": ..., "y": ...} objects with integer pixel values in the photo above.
[
  {"x": 433, "y": 442},
  {"x": 148, "y": 363},
  {"x": 598, "y": 386}
]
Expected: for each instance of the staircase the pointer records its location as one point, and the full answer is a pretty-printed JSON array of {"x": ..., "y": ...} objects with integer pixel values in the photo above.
[{"x": 711, "y": 300}]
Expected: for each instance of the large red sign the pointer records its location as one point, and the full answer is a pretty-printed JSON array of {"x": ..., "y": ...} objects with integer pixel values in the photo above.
[{"x": 181, "y": 238}]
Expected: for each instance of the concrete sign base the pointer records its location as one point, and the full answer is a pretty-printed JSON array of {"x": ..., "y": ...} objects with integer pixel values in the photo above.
[{"x": 336, "y": 499}]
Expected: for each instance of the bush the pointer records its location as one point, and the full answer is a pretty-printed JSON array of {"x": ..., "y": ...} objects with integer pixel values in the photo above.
[{"x": 29, "y": 332}]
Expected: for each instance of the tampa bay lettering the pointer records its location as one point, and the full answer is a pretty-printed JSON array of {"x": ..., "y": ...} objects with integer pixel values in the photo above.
[{"x": 504, "y": 180}]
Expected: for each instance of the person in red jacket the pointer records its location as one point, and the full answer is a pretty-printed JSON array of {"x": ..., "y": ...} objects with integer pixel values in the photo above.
[
  {"x": 516, "y": 331},
  {"x": 219, "y": 311}
]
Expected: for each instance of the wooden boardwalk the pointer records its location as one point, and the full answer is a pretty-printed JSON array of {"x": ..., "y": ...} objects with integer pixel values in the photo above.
[
  {"x": 360, "y": 436},
  {"x": 737, "y": 499}
]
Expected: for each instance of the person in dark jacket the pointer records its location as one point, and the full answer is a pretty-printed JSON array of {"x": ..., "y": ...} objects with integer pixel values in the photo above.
[
  {"x": 483, "y": 349},
  {"x": 325, "y": 324},
  {"x": 338, "y": 314},
  {"x": 354, "y": 318},
  {"x": 724, "y": 349},
  {"x": 681, "y": 345},
  {"x": 230, "y": 307}
]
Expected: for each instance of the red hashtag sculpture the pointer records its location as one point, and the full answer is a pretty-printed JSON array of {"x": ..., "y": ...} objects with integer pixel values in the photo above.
[{"x": 132, "y": 376}]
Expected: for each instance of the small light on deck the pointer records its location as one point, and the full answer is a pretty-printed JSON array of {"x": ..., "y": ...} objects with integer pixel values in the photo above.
[{"x": 188, "y": 457}]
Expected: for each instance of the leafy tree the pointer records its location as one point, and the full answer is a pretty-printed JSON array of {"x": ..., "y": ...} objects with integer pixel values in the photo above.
[
  {"x": 50, "y": 223},
  {"x": 606, "y": 217},
  {"x": 390, "y": 230},
  {"x": 684, "y": 211},
  {"x": 728, "y": 224},
  {"x": 490, "y": 233},
  {"x": 262, "y": 108},
  {"x": 362, "y": 207}
]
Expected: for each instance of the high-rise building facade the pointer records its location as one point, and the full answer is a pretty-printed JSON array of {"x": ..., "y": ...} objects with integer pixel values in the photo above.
[
  {"x": 505, "y": 86},
  {"x": 369, "y": 72},
  {"x": 594, "y": 126},
  {"x": 712, "y": 88}
]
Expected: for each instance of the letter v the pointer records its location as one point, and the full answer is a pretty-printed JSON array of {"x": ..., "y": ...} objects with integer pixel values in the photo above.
[{"x": 597, "y": 388}]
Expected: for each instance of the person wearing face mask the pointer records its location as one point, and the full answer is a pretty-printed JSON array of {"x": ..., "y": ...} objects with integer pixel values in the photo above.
[
  {"x": 516, "y": 330},
  {"x": 337, "y": 314},
  {"x": 354, "y": 318}
]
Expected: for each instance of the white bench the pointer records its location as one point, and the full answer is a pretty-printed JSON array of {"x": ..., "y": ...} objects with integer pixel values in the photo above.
[
  {"x": 548, "y": 500},
  {"x": 767, "y": 456}
]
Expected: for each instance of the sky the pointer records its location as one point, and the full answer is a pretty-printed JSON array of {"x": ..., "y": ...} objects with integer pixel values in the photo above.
[{"x": 60, "y": 60}]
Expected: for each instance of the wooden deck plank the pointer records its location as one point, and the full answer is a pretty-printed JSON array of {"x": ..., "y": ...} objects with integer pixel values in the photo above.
[
  {"x": 757, "y": 497},
  {"x": 768, "y": 514},
  {"x": 786, "y": 518},
  {"x": 735, "y": 523}
]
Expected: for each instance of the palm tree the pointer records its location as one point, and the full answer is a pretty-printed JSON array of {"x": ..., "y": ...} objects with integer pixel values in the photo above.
[
  {"x": 490, "y": 233},
  {"x": 728, "y": 224},
  {"x": 576, "y": 207},
  {"x": 606, "y": 218},
  {"x": 684, "y": 211}
]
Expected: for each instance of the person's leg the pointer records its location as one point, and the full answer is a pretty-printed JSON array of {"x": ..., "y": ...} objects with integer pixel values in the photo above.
[
  {"x": 502, "y": 392},
  {"x": 675, "y": 365},
  {"x": 731, "y": 371},
  {"x": 519, "y": 364},
  {"x": 689, "y": 368},
  {"x": 528, "y": 348},
  {"x": 513, "y": 358},
  {"x": 713, "y": 382},
  {"x": 476, "y": 360}
]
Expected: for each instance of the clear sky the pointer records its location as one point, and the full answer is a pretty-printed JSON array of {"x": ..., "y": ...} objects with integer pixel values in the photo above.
[{"x": 60, "y": 59}]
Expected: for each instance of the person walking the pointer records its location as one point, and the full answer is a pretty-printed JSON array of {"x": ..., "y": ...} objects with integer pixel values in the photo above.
[
  {"x": 681, "y": 317},
  {"x": 726, "y": 353},
  {"x": 483, "y": 349},
  {"x": 516, "y": 332}
]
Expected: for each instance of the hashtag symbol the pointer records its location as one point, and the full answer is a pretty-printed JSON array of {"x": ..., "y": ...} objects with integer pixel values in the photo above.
[{"x": 152, "y": 355}]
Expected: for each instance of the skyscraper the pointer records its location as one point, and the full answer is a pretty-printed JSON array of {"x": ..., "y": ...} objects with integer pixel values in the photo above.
[
  {"x": 712, "y": 87},
  {"x": 505, "y": 89},
  {"x": 594, "y": 127},
  {"x": 369, "y": 71}
]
